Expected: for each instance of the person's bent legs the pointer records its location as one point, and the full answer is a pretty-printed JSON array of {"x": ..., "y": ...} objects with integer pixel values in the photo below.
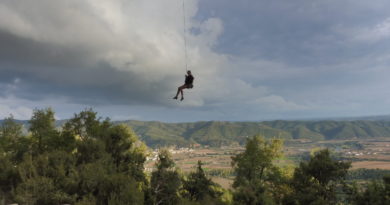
[
  {"x": 182, "y": 94},
  {"x": 180, "y": 90}
]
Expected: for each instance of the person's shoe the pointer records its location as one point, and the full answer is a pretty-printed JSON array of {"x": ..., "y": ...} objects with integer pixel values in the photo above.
[
  {"x": 175, "y": 97},
  {"x": 182, "y": 98}
]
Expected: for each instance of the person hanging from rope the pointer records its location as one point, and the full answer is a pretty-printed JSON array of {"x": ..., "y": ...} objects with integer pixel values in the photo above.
[{"x": 187, "y": 84}]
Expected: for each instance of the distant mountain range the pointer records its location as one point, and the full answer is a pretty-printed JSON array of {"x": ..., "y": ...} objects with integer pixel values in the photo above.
[
  {"x": 217, "y": 133},
  {"x": 370, "y": 118}
]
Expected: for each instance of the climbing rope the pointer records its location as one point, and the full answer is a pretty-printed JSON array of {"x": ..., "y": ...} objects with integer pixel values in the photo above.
[{"x": 185, "y": 35}]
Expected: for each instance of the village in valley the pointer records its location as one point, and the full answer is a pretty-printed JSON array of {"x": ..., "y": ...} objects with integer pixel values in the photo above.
[{"x": 364, "y": 154}]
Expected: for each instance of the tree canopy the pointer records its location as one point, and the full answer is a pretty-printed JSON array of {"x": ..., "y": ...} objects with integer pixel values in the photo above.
[{"x": 90, "y": 160}]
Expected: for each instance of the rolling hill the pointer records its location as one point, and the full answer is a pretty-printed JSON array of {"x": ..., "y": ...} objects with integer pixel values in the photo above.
[{"x": 215, "y": 133}]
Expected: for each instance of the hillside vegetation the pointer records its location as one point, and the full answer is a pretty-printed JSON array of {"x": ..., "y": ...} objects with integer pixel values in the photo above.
[{"x": 216, "y": 133}]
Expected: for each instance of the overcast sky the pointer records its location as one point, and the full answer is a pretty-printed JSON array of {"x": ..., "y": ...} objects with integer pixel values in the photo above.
[{"x": 252, "y": 59}]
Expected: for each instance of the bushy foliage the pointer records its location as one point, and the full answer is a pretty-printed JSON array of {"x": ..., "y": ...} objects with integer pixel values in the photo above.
[
  {"x": 375, "y": 193},
  {"x": 165, "y": 181},
  {"x": 91, "y": 161},
  {"x": 257, "y": 178},
  {"x": 315, "y": 181},
  {"x": 87, "y": 160},
  {"x": 197, "y": 187}
]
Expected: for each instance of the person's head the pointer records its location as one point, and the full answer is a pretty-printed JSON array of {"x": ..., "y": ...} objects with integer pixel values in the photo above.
[{"x": 188, "y": 72}]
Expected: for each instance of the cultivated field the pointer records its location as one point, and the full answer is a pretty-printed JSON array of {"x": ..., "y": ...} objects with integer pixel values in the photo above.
[{"x": 369, "y": 154}]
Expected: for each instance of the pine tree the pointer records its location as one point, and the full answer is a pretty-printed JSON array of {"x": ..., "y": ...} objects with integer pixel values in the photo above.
[
  {"x": 254, "y": 170},
  {"x": 198, "y": 187},
  {"x": 315, "y": 181},
  {"x": 165, "y": 181},
  {"x": 43, "y": 130}
]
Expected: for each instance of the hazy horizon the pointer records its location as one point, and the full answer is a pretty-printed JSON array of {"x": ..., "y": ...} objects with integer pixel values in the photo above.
[{"x": 334, "y": 118}]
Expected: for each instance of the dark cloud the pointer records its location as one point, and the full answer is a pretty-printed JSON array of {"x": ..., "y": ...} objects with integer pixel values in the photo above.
[
  {"x": 17, "y": 49},
  {"x": 49, "y": 70},
  {"x": 301, "y": 33}
]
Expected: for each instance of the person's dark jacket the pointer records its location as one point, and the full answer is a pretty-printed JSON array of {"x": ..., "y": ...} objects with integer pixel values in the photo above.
[{"x": 189, "y": 80}]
